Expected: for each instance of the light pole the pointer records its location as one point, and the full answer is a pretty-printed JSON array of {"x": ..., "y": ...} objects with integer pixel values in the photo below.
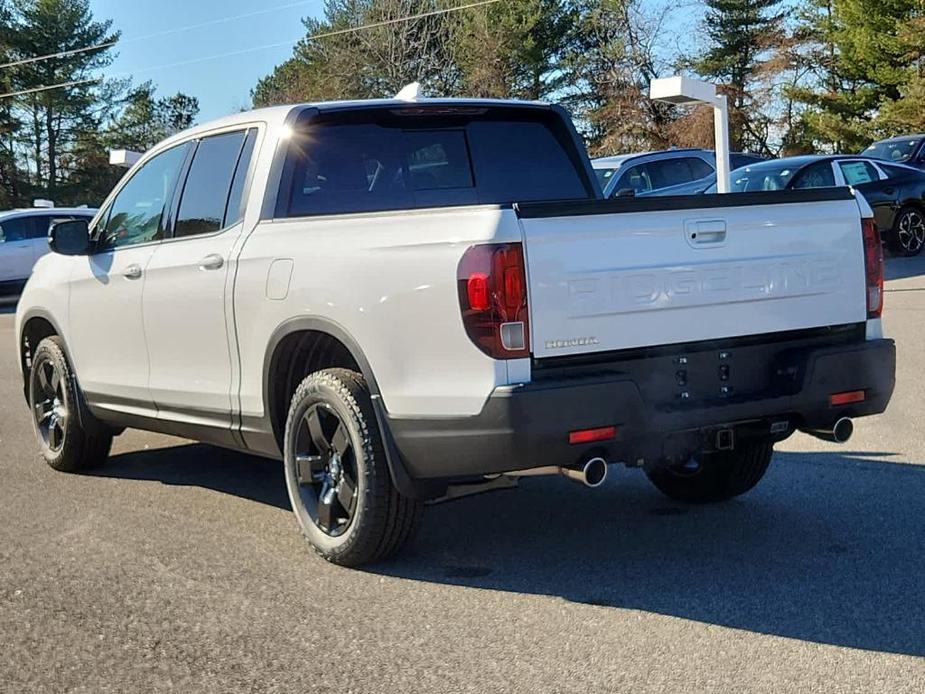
[{"x": 682, "y": 90}]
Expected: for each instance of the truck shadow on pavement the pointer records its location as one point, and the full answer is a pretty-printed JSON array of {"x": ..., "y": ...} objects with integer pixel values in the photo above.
[
  {"x": 198, "y": 465},
  {"x": 829, "y": 548}
]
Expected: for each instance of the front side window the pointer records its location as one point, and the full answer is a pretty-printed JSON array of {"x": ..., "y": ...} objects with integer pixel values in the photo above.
[
  {"x": 16, "y": 229},
  {"x": 208, "y": 184},
  {"x": 135, "y": 215},
  {"x": 818, "y": 175},
  {"x": 637, "y": 178}
]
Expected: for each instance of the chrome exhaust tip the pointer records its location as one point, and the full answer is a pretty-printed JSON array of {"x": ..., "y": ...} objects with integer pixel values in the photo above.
[
  {"x": 591, "y": 473},
  {"x": 840, "y": 432}
]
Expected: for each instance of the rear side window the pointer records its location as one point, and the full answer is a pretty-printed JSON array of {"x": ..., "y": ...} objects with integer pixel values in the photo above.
[
  {"x": 236, "y": 204},
  {"x": 671, "y": 172},
  {"x": 367, "y": 161},
  {"x": 700, "y": 169},
  {"x": 858, "y": 172},
  {"x": 208, "y": 184}
]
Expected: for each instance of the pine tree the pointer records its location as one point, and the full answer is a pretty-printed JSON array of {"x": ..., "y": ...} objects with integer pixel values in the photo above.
[
  {"x": 741, "y": 34},
  {"x": 867, "y": 70},
  {"x": 613, "y": 56},
  {"x": 55, "y": 117}
]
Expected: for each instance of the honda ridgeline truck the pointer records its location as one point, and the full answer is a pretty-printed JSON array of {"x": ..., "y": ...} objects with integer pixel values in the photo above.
[{"x": 409, "y": 300}]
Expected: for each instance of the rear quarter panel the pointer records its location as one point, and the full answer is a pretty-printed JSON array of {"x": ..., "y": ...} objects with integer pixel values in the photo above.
[{"x": 389, "y": 281}]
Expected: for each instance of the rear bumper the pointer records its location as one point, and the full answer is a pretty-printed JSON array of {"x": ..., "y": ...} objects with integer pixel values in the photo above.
[{"x": 527, "y": 426}]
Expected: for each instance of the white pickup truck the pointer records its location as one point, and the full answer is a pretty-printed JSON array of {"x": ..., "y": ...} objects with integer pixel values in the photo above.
[{"x": 406, "y": 301}]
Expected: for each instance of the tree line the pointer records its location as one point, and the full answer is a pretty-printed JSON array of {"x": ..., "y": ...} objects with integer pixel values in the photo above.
[
  {"x": 800, "y": 75},
  {"x": 55, "y": 143}
]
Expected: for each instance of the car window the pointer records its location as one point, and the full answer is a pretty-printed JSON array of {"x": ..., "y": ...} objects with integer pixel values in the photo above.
[
  {"x": 899, "y": 171},
  {"x": 893, "y": 150},
  {"x": 857, "y": 172},
  {"x": 670, "y": 172},
  {"x": 604, "y": 175},
  {"x": 16, "y": 229},
  {"x": 42, "y": 223},
  {"x": 818, "y": 175},
  {"x": 700, "y": 168},
  {"x": 235, "y": 209},
  {"x": 208, "y": 184},
  {"x": 370, "y": 161},
  {"x": 135, "y": 215},
  {"x": 636, "y": 178}
]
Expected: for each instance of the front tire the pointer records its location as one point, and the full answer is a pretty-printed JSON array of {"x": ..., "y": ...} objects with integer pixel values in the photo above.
[
  {"x": 53, "y": 398},
  {"x": 713, "y": 477},
  {"x": 908, "y": 236},
  {"x": 336, "y": 472}
]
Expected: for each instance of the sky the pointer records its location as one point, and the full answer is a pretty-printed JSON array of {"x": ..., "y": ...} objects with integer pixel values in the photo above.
[{"x": 222, "y": 85}]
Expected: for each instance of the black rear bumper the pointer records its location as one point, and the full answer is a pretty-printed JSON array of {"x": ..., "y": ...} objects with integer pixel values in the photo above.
[{"x": 658, "y": 402}]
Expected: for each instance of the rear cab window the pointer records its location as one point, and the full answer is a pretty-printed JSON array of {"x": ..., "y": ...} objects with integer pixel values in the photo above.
[{"x": 370, "y": 160}]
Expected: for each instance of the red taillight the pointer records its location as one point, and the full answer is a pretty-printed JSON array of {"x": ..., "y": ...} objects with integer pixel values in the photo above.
[
  {"x": 592, "y": 435},
  {"x": 873, "y": 267},
  {"x": 493, "y": 298}
]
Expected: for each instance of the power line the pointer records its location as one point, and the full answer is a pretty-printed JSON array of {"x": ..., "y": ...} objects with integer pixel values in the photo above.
[
  {"x": 157, "y": 34},
  {"x": 313, "y": 37}
]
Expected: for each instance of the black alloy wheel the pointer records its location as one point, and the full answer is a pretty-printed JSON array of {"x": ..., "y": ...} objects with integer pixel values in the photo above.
[
  {"x": 49, "y": 404},
  {"x": 909, "y": 231},
  {"x": 337, "y": 472},
  {"x": 70, "y": 441},
  {"x": 326, "y": 468}
]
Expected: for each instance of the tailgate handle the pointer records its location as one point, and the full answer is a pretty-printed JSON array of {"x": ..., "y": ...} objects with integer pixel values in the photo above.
[{"x": 706, "y": 232}]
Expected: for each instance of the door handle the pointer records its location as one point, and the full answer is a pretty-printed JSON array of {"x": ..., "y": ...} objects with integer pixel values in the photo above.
[
  {"x": 132, "y": 272},
  {"x": 706, "y": 232},
  {"x": 213, "y": 261}
]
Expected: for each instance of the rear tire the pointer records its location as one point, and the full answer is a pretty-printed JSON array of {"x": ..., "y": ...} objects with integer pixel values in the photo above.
[
  {"x": 336, "y": 472},
  {"x": 908, "y": 234},
  {"x": 713, "y": 477},
  {"x": 66, "y": 444}
]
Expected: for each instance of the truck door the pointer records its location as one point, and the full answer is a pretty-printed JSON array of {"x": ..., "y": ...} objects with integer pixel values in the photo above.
[{"x": 185, "y": 319}]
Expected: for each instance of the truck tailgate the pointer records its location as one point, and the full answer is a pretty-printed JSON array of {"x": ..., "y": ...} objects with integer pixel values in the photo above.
[{"x": 619, "y": 274}]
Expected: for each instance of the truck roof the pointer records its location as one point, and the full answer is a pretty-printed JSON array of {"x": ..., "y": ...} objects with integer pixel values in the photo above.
[{"x": 277, "y": 115}]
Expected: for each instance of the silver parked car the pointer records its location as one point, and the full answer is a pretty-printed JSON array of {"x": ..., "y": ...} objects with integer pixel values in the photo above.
[
  {"x": 638, "y": 174},
  {"x": 24, "y": 239}
]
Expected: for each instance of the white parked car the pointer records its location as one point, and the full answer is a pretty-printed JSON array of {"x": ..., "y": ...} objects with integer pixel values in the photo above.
[
  {"x": 24, "y": 239},
  {"x": 384, "y": 296}
]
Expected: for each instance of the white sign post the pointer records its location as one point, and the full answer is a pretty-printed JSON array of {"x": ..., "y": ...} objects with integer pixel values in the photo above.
[{"x": 682, "y": 90}]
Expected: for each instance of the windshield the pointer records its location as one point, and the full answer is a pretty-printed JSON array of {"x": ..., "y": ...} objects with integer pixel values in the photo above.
[
  {"x": 604, "y": 176},
  {"x": 768, "y": 176},
  {"x": 893, "y": 150}
]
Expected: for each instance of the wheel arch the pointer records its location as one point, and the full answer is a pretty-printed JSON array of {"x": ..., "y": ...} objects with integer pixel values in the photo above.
[
  {"x": 36, "y": 325},
  {"x": 304, "y": 344},
  {"x": 323, "y": 344}
]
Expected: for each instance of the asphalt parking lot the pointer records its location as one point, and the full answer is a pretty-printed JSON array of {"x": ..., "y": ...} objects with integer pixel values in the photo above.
[{"x": 178, "y": 567}]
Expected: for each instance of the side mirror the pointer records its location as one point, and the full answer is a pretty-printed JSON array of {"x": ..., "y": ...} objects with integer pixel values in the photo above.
[
  {"x": 70, "y": 238},
  {"x": 626, "y": 193}
]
